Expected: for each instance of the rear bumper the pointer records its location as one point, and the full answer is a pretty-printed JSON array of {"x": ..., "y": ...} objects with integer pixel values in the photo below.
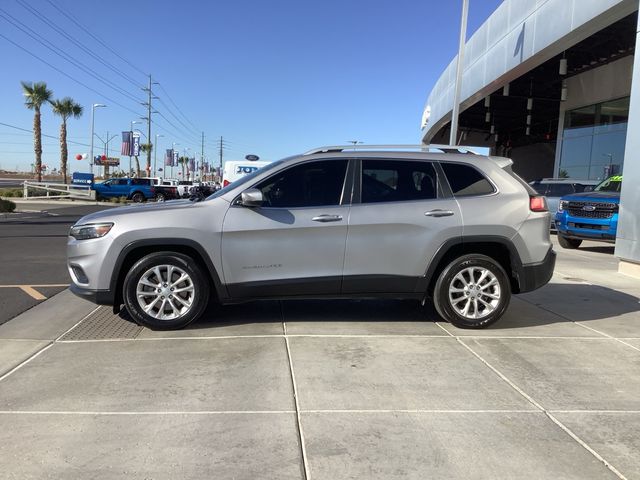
[
  {"x": 536, "y": 275},
  {"x": 100, "y": 297}
]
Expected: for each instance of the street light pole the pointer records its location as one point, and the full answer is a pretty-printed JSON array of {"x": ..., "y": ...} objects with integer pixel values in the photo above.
[
  {"x": 453, "y": 137},
  {"x": 155, "y": 154},
  {"x": 93, "y": 110}
]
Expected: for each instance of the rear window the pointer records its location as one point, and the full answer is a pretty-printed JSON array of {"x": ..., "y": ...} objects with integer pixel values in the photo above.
[
  {"x": 466, "y": 181},
  {"x": 559, "y": 189}
]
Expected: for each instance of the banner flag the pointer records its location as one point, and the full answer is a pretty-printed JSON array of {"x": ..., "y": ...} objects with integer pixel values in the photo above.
[
  {"x": 136, "y": 144},
  {"x": 126, "y": 144},
  {"x": 175, "y": 158},
  {"x": 192, "y": 164},
  {"x": 168, "y": 158}
]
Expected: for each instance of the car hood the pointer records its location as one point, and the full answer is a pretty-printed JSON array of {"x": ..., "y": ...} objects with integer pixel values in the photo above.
[
  {"x": 593, "y": 197},
  {"x": 113, "y": 213}
]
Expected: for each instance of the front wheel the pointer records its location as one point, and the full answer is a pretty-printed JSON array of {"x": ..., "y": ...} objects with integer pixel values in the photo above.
[
  {"x": 165, "y": 291},
  {"x": 160, "y": 197},
  {"x": 473, "y": 291},
  {"x": 571, "y": 243}
]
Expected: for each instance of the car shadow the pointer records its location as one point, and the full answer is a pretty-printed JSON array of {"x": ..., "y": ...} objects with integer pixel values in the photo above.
[{"x": 552, "y": 304}]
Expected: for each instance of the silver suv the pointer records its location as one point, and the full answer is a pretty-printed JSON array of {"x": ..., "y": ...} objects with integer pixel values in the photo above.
[{"x": 460, "y": 229}]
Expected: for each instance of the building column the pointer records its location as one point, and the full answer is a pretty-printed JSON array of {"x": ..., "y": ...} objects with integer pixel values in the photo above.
[{"x": 628, "y": 234}]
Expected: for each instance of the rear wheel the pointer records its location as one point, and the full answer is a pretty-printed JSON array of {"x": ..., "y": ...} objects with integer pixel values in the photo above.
[
  {"x": 473, "y": 291},
  {"x": 160, "y": 197},
  {"x": 137, "y": 197},
  {"x": 570, "y": 243},
  {"x": 165, "y": 290}
]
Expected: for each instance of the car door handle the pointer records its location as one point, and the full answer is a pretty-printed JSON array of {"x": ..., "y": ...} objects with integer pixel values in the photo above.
[
  {"x": 438, "y": 213},
  {"x": 327, "y": 218}
]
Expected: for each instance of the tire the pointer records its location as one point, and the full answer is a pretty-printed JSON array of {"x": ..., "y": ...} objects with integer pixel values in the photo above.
[
  {"x": 165, "y": 312},
  {"x": 137, "y": 197},
  {"x": 570, "y": 243},
  {"x": 160, "y": 197},
  {"x": 482, "y": 282}
]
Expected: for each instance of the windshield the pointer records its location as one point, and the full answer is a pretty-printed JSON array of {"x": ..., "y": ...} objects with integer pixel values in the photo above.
[
  {"x": 247, "y": 178},
  {"x": 611, "y": 184}
]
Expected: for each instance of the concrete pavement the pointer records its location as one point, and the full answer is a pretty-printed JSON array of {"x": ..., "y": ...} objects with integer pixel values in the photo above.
[{"x": 332, "y": 389}]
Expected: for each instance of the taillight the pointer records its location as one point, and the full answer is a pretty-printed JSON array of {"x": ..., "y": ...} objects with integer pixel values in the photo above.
[
  {"x": 538, "y": 204},
  {"x": 225, "y": 183}
]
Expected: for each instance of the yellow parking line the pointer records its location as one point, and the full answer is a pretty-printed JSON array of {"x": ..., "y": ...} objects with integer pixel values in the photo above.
[
  {"x": 32, "y": 292},
  {"x": 36, "y": 295}
]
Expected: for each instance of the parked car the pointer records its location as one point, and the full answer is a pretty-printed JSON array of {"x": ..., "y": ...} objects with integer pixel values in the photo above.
[
  {"x": 462, "y": 230},
  {"x": 590, "y": 215},
  {"x": 134, "y": 189},
  {"x": 554, "y": 188}
]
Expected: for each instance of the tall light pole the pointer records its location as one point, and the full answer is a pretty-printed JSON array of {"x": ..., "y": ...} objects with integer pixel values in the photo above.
[
  {"x": 155, "y": 154},
  {"x": 93, "y": 110},
  {"x": 453, "y": 137}
]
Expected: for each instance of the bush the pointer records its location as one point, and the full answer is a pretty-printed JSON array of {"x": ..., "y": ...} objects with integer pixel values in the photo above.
[
  {"x": 11, "y": 192},
  {"x": 7, "y": 206}
]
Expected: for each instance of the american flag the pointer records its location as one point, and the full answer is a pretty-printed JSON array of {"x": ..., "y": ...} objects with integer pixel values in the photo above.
[
  {"x": 126, "y": 144},
  {"x": 168, "y": 159}
]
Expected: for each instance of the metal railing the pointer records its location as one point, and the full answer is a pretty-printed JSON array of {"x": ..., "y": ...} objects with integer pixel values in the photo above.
[{"x": 59, "y": 191}]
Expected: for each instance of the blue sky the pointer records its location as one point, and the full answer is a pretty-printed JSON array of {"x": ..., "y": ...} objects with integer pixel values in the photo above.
[{"x": 273, "y": 78}]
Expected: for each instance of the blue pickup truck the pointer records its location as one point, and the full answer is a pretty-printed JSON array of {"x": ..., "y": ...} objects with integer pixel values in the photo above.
[
  {"x": 134, "y": 189},
  {"x": 589, "y": 215}
]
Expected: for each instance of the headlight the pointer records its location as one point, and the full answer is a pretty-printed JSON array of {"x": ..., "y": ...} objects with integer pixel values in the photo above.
[
  {"x": 90, "y": 230},
  {"x": 562, "y": 204}
]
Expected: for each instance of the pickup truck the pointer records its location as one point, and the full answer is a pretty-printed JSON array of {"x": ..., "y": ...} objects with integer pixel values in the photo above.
[
  {"x": 166, "y": 189},
  {"x": 589, "y": 215},
  {"x": 135, "y": 189}
]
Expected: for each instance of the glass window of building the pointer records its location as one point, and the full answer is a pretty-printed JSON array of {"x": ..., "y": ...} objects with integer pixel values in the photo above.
[{"x": 594, "y": 139}]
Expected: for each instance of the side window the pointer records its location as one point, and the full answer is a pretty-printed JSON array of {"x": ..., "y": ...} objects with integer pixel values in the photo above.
[
  {"x": 311, "y": 184},
  {"x": 141, "y": 181},
  {"x": 396, "y": 181},
  {"x": 466, "y": 180},
  {"x": 120, "y": 181}
]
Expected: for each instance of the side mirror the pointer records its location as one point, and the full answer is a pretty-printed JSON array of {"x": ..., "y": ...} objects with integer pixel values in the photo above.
[
  {"x": 252, "y": 197},
  {"x": 588, "y": 188}
]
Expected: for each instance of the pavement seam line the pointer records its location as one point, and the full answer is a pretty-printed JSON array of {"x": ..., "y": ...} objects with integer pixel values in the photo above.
[
  {"x": 549, "y": 415},
  {"x": 27, "y": 360},
  {"x": 303, "y": 448},
  {"x": 565, "y": 318},
  {"x": 609, "y": 336},
  {"x": 196, "y": 412},
  {"x": 46, "y": 347}
]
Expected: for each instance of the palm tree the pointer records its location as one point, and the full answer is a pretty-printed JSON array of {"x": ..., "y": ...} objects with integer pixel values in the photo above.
[
  {"x": 65, "y": 108},
  {"x": 35, "y": 95},
  {"x": 147, "y": 147},
  {"x": 184, "y": 161}
]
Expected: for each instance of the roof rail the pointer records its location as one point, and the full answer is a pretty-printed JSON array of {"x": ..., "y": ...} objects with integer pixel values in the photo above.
[{"x": 421, "y": 148}]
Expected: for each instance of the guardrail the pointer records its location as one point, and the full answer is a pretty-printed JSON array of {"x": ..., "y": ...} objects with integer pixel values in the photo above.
[{"x": 81, "y": 192}]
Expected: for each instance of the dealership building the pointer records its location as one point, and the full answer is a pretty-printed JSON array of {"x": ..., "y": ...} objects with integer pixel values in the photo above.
[{"x": 549, "y": 83}]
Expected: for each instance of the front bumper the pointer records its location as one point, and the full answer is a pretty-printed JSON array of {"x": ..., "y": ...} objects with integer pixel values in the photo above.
[
  {"x": 100, "y": 297},
  {"x": 536, "y": 275}
]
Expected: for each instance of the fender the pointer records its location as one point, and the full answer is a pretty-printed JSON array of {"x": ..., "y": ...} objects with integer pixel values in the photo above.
[
  {"x": 516, "y": 272},
  {"x": 116, "y": 274}
]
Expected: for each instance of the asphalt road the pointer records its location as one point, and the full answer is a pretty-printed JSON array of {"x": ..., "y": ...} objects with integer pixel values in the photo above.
[{"x": 33, "y": 254}]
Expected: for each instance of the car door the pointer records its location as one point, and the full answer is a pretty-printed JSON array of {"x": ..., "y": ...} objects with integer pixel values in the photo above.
[
  {"x": 293, "y": 244},
  {"x": 400, "y": 218}
]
